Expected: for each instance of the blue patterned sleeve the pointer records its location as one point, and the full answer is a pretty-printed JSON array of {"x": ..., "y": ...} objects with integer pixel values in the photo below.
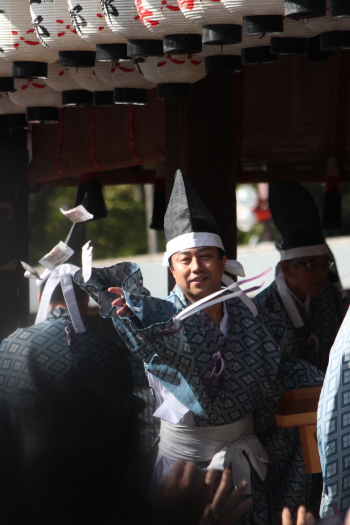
[{"x": 150, "y": 315}]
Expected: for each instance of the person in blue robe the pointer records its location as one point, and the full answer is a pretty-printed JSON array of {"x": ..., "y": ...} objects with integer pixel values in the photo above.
[
  {"x": 333, "y": 428},
  {"x": 217, "y": 371},
  {"x": 301, "y": 295}
]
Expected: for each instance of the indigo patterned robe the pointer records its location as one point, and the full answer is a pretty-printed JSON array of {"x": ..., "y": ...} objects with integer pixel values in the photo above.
[
  {"x": 333, "y": 427},
  {"x": 91, "y": 363},
  {"x": 323, "y": 320},
  {"x": 179, "y": 353}
]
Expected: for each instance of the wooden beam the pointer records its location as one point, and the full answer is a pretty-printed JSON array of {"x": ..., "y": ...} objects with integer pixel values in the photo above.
[
  {"x": 110, "y": 178},
  {"x": 311, "y": 175}
]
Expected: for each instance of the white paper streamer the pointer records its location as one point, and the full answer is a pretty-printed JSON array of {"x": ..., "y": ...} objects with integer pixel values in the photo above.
[
  {"x": 78, "y": 214},
  {"x": 30, "y": 273},
  {"x": 58, "y": 255},
  {"x": 86, "y": 261}
]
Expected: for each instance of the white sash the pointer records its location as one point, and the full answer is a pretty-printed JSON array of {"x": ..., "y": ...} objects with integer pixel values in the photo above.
[{"x": 222, "y": 445}]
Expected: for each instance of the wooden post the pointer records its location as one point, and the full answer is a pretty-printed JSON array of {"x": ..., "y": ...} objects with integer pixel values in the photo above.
[
  {"x": 14, "y": 288},
  {"x": 200, "y": 140}
]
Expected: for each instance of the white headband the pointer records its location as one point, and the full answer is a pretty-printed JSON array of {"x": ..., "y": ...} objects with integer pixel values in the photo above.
[
  {"x": 62, "y": 274},
  {"x": 191, "y": 240},
  {"x": 304, "y": 251},
  {"x": 198, "y": 240}
]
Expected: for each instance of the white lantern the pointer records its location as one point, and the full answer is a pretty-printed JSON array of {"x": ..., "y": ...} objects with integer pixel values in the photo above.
[
  {"x": 339, "y": 8},
  {"x": 59, "y": 79},
  {"x": 334, "y": 32},
  {"x": 256, "y": 50},
  {"x": 173, "y": 75},
  {"x": 219, "y": 26},
  {"x": 123, "y": 18},
  {"x": 295, "y": 38},
  {"x": 90, "y": 23},
  {"x": 304, "y": 8},
  {"x": 6, "y": 79},
  {"x": 222, "y": 59},
  {"x": 87, "y": 79},
  {"x": 164, "y": 19},
  {"x": 19, "y": 43},
  {"x": 40, "y": 100},
  {"x": 130, "y": 87},
  {"x": 55, "y": 30},
  {"x": 259, "y": 17},
  {"x": 11, "y": 116}
]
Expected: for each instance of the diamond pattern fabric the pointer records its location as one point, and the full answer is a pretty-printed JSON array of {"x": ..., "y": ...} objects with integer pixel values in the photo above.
[
  {"x": 257, "y": 369},
  {"x": 40, "y": 354}
]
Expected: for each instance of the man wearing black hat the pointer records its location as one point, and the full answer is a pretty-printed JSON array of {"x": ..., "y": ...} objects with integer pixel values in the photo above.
[
  {"x": 307, "y": 303},
  {"x": 213, "y": 358}
]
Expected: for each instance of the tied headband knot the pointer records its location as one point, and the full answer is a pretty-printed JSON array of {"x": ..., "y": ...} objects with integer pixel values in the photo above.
[{"x": 63, "y": 275}]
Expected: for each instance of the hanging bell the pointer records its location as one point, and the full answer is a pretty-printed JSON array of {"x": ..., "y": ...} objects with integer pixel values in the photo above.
[{"x": 304, "y": 8}]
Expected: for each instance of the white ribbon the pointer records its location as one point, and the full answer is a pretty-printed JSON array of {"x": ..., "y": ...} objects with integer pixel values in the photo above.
[
  {"x": 213, "y": 298},
  {"x": 223, "y": 445},
  {"x": 286, "y": 299},
  {"x": 62, "y": 274}
]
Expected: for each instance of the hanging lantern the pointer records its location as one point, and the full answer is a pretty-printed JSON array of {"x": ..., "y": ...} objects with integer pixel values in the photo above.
[
  {"x": 258, "y": 55},
  {"x": 334, "y": 27},
  {"x": 335, "y": 40},
  {"x": 87, "y": 78},
  {"x": 55, "y": 30},
  {"x": 339, "y": 8},
  {"x": 219, "y": 26},
  {"x": 224, "y": 59},
  {"x": 304, "y": 8},
  {"x": 173, "y": 75},
  {"x": 258, "y": 18},
  {"x": 295, "y": 36},
  {"x": 130, "y": 87},
  {"x": 289, "y": 45},
  {"x": 19, "y": 43},
  {"x": 123, "y": 19},
  {"x": 40, "y": 100},
  {"x": 59, "y": 79},
  {"x": 256, "y": 50},
  {"x": 11, "y": 116},
  {"x": 262, "y": 24},
  {"x": 314, "y": 52},
  {"x": 164, "y": 19},
  {"x": 6, "y": 78},
  {"x": 90, "y": 23}
]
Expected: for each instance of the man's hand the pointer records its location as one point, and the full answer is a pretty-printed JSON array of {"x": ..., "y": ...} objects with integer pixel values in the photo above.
[
  {"x": 303, "y": 517},
  {"x": 184, "y": 494},
  {"x": 226, "y": 509},
  {"x": 124, "y": 311}
]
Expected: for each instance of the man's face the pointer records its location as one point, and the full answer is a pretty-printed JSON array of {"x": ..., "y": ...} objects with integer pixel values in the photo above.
[
  {"x": 198, "y": 271},
  {"x": 308, "y": 276}
]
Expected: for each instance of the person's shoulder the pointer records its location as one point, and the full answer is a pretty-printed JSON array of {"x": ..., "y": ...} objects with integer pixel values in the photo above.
[{"x": 265, "y": 295}]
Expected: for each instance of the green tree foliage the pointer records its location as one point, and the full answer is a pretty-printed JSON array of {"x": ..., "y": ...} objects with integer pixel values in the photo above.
[{"x": 121, "y": 233}]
